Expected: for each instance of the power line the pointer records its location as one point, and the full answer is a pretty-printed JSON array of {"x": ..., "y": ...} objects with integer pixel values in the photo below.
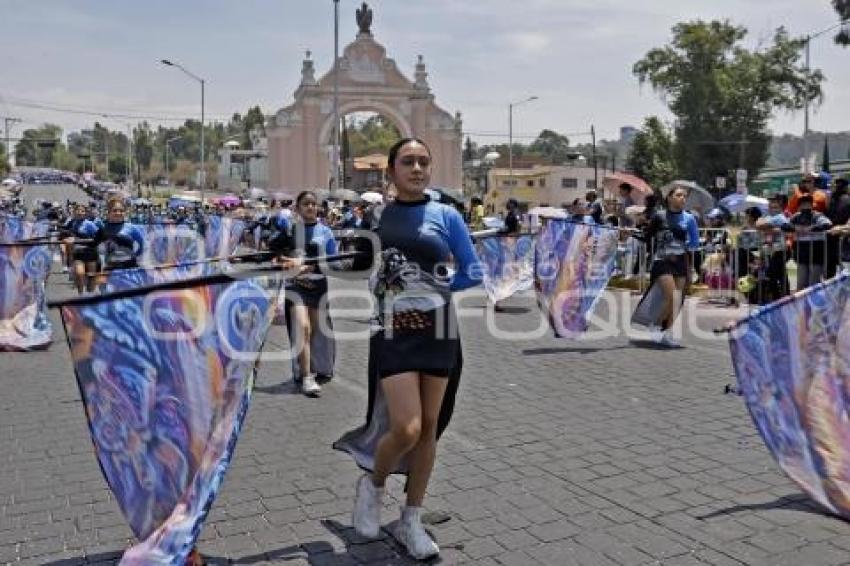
[
  {"x": 99, "y": 113},
  {"x": 525, "y": 136}
]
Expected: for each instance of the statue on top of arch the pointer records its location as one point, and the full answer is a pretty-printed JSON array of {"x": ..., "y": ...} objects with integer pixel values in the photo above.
[{"x": 364, "y": 19}]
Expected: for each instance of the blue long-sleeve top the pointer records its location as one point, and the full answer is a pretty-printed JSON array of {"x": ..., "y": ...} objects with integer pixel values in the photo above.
[
  {"x": 674, "y": 233},
  {"x": 430, "y": 234},
  {"x": 123, "y": 241}
]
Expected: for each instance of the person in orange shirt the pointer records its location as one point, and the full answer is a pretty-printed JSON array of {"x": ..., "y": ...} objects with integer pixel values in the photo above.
[{"x": 807, "y": 186}]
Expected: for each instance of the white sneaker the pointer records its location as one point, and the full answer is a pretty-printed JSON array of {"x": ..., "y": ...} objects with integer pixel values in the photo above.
[
  {"x": 366, "y": 517},
  {"x": 655, "y": 334},
  {"x": 668, "y": 340},
  {"x": 410, "y": 533},
  {"x": 309, "y": 386}
]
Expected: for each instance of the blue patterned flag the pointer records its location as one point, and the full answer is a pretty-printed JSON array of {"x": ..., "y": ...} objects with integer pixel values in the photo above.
[
  {"x": 166, "y": 381},
  {"x": 792, "y": 361},
  {"x": 222, "y": 236},
  {"x": 509, "y": 264},
  {"x": 24, "y": 324},
  {"x": 173, "y": 244},
  {"x": 573, "y": 264}
]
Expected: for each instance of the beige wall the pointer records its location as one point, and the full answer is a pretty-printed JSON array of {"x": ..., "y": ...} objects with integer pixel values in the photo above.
[{"x": 542, "y": 184}]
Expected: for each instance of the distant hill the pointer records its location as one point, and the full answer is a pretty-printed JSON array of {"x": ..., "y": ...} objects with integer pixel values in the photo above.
[{"x": 788, "y": 149}]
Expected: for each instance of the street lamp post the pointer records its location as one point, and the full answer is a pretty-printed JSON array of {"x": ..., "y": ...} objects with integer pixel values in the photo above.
[
  {"x": 203, "y": 179},
  {"x": 130, "y": 157},
  {"x": 808, "y": 41},
  {"x": 167, "y": 149},
  {"x": 487, "y": 163},
  {"x": 595, "y": 167},
  {"x": 511, "y": 137}
]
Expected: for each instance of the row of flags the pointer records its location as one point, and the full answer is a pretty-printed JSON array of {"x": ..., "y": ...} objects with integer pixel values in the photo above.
[{"x": 166, "y": 377}]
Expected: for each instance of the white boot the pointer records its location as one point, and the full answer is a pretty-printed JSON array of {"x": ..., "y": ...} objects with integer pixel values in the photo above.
[
  {"x": 366, "y": 517},
  {"x": 412, "y": 535}
]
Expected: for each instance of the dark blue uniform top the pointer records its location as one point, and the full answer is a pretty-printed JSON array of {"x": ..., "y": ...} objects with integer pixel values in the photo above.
[{"x": 430, "y": 234}]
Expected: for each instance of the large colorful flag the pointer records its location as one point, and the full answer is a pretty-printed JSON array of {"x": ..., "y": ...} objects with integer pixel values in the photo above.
[
  {"x": 166, "y": 381},
  {"x": 792, "y": 361},
  {"x": 222, "y": 235},
  {"x": 509, "y": 264},
  {"x": 171, "y": 244},
  {"x": 24, "y": 324},
  {"x": 573, "y": 264}
]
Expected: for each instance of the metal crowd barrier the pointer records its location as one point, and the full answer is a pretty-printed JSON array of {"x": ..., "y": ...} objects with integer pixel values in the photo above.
[{"x": 748, "y": 265}]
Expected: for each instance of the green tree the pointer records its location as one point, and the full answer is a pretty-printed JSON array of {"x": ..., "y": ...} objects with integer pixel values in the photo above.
[
  {"x": 843, "y": 9},
  {"x": 254, "y": 119},
  {"x": 63, "y": 159},
  {"x": 470, "y": 150},
  {"x": 723, "y": 95},
  {"x": 37, "y": 146},
  {"x": 375, "y": 134},
  {"x": 652, "y": 154},
  {"x": 550, "y": 145},
  {"x": 143, "y": 148},
  {"x": 4, "y": 160}
]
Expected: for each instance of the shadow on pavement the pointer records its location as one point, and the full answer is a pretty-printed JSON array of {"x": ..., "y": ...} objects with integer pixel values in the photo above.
[
  {"x": 570, "y": 350},
  {"x": 512, "y": 310},
  {"x": 800, "y": 503},
  {"x": 288, "y": 387}
]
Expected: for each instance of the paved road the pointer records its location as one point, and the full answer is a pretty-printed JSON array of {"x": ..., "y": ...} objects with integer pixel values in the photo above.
[
  {"x": 597, "y": 452},
  {"x": 57, "y": 193}
]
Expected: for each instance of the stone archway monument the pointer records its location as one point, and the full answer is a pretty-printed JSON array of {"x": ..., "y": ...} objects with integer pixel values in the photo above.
[{"x": 299, "y": 136}]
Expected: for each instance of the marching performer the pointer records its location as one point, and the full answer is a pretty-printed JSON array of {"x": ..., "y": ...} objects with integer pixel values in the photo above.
[
  {"x": 121, "y": 243},
  {"x": 674, "y": 235},
  {"x": 307, "y": 314},
  {"x": 415, "y": 354}
]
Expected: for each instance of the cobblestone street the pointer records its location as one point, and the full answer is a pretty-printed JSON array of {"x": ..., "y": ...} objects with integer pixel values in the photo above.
[{"x": 600, "y": 451}]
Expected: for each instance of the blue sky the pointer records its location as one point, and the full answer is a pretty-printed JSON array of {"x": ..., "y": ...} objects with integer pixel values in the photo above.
[{"x": 481, "y": 54}]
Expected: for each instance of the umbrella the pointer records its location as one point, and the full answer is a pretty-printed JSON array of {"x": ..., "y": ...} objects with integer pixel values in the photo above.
[
  {"x": 737, "y": 202},
  {"x": 9, "y": 182},
  {"x": 227, "y": 200},
  {"x": 175, "y": 202},
  {"x": 493, "y": 222},
  {"x": 640, "y": 188},
  {"x": 188, "y": 196},
  {"x": 282, "y": 195},
  {"x": 698, "y": 198},
  {"x": 548, "y": 212},
  {"x": 346, "y": 194},
  {"x": 444, "y": 195},
  {"x": 635, "y": 209},
  {"x": 372, "y": 197},
  {"x": 255, "y": 193}
]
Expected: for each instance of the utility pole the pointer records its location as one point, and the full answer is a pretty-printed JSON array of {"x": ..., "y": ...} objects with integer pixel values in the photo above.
[
  {"x": 595, "y": 168},
  {"x": 335, "y": 156},
  {"x": 808, "y": 41},
  {"x": 8, "y": 121}
]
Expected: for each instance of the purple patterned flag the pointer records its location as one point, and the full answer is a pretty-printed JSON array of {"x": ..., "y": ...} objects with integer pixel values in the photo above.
[
  {"x": 166, "y": 380},
  {"x": 24, "y": 324},
  {"x": 508, "y": 263},
  {"x": 792, "y": 361},
  {"x": 573, "y": 264}
]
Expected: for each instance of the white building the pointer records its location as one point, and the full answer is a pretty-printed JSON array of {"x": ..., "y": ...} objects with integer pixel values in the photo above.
[{"x": 241, "y": 168}]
